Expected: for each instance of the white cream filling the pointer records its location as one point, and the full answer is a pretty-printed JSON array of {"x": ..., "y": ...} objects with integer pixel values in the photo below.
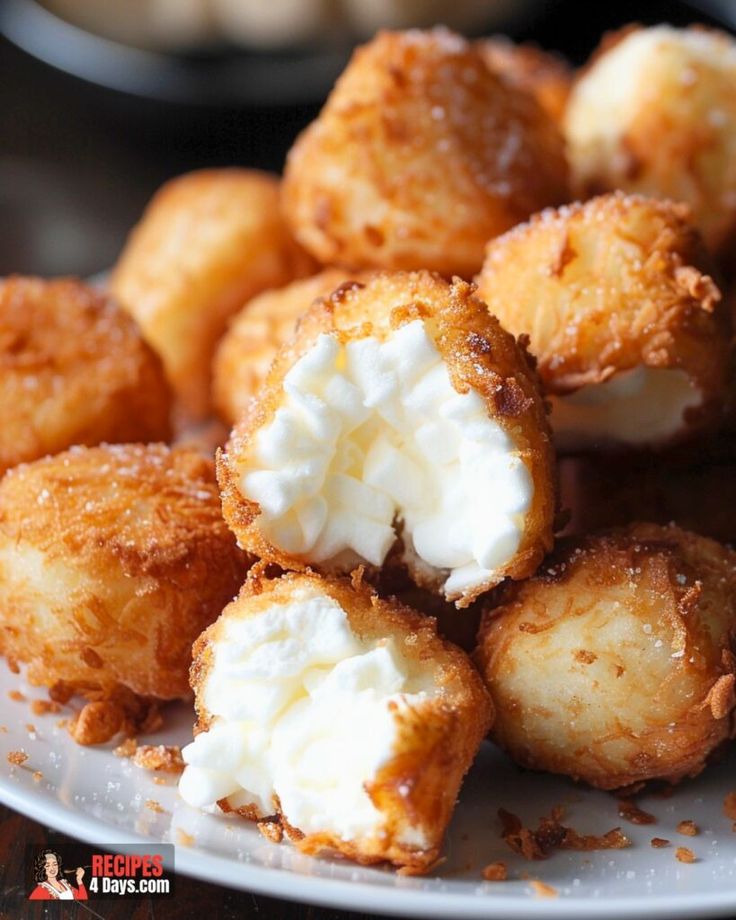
[
  {"x": 374, "y": 432},
  {"x": 304, "y": 710},
  {"x": 641, "y": 406}
]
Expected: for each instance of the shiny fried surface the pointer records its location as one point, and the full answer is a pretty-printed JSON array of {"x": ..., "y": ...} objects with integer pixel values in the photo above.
[
  {"x": 437, "y": 743},
  {"x": 264, "y": 324},
  {"x": 207, "y": 242},
  {"x": 608, "y": 285},
  {"x": 615, "y": 663},
  {"x": 74, "y": 369},
  {"x": 654, "y": 112},
  {"x": 112, "y": 560},
  {"x": 420, "y": 155},
  {"x": 478, "y": 353}
]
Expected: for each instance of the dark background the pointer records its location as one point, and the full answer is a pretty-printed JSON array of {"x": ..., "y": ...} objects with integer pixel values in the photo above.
[{"x": 77, "y": 165}]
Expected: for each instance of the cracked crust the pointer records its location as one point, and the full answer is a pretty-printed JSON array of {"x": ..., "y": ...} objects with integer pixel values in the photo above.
[
  {"x": 615, "y": 663},
  {"x": 479, "y": 355},
  {"x": 437, "y": 742},
  {"x": 420, "y": 155}
]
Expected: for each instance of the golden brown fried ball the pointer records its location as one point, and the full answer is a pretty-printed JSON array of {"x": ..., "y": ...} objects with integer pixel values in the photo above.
[
  {"x": 208, "y": 241},
  {"x": 265, "y": 323},
  {"x": 401, "y": 426},
  {"x": 344, "y": 716},
  {"x": 655, "y": 112},
  {"x": 419, "y": 156},
  {"x": 73, "y": 370},
  {"x": 615, "y": 663},
  {"x": 112, "y": 560},
  {"x": 547, "y": 76},
  {"x": 632, "y": 344}
]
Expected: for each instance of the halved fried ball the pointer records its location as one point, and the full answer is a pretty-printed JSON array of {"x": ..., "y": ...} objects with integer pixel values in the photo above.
[
  {"x": 419, "y": 156},
  {"x": 615, "y": 663},
  {"x": 547, "y": 76},
  {"x": 74, "y": 369},
  {"x": 113, "y": 559},
  {"x": 655, "y": 112},
  {"x": 632, "y": 343},
  {"x": 264, "y": 324},
  {"x": 208, "y": 241},
  {"x": 344, "y": 716},
  {"x": 401, "y": 426}
]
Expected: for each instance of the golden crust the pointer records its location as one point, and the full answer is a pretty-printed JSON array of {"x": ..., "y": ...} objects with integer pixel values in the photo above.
[
  {"x": 615, "y": 664},
  {"x": 112, "y": 560},
  {"x": 661, "y": 123},
  {"x": 207, "y": 242},
  {"x": 420, "y": 155},
  {"x": 547, "y": 76},
  {"x": 437, "y": 743},
  {"x": 609, "y": 285},
  {"x": 73, "y": 370},
  {"x": 247, "y": 349},
  {"x": 479, "y": 354}
]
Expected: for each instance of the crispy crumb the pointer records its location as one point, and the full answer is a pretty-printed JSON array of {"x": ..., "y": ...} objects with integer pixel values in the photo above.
[
  {"x": 659, "y": 842},
  {"x": 30, "y": 728},
  {"x": 495, "y": 872},
  {"x": 631, "y": 812},
  {"x": 62, "y": 723},
  {"x": 688, "y": 828},
  {"x": 37, "y": 776},
  {"x": 542, "y": 889},
  {"x": 729, "y": 806},
  {"x": 159, "y": 780},
  {"x": 685, "y": 855},
  {"x": 164, "y": 757},
  {"x": 42, "y": 707},
  {"x": 3, "y": 729},
  {"x": 271, "y": 829},
  {"x": 17, "y": 696},
  {"x": 184, "y": 839},
  {"x": 126, "y": 748},
  {"x": 17, "y": 757},
  {"x": 552, "y": 834},
  {"x": 155, "y": 806}
]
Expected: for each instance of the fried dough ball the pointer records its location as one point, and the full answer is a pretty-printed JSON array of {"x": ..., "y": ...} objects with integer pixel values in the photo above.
[
  {"x": 403, "y": 426},
  {"x": 655, "y": 112},
  {"x": 73, "y": 370},
  {"x": 419, "y": 156},
  {"x": 208, "y": 241},
  {"x": 633, "y": 346},
  {"x": 547, "y": 76},
  {"x": 344, "y": 716},
  {"x": 615, "y": 663},
  {"x": 113, "y": 559},
  {"x": 265, "y": 323}
]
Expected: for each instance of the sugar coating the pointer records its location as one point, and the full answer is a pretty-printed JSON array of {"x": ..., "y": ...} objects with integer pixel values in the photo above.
[
  {"x": 303, "y": 710},
  {"x": 372, "y": 434}
]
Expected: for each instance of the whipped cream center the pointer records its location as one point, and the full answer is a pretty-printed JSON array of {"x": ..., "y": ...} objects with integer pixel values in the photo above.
[
  {"x": 645, "y": 405},
  {"x": 302, "y": 710},
  {"x": 371, "y": 434}
]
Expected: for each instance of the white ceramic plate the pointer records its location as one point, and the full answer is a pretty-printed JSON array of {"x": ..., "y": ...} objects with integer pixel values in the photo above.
[{"x": 90, "y": 794}]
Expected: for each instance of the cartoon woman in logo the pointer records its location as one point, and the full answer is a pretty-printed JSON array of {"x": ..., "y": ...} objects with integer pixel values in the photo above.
[{"x": 51, "y": 886}]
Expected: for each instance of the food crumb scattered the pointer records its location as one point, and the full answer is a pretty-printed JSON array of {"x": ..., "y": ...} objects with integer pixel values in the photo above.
[
  {"x": 30, "y": 728},
  {"x": 62, "y": 723},
  {"x": 17, "y": 757},
  {"x": 271, "y": 829},
  {"x": 126, "y": 748},
  {"x": 4, "y": 729},
  {"x": 42, "y": 707},
  {"x": 688, "y": 828},
  {"x": 184, "y": 839},
  {"x": 164, "y": 757},
  {"x": 159, "y": 780},
  {"x": 542, "y": 889},
  {"x": 37, "y": 776},
  {"x": 17, "y": 696},
  {"x": 685, "y": 855},
  {"x": 154, "y": 806},
  {"x": 659, "y": 842},
  {"x": 631, "y": 812},
  {"x": 552, "y": 834},
  {"x": 495, "y": 872}
]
